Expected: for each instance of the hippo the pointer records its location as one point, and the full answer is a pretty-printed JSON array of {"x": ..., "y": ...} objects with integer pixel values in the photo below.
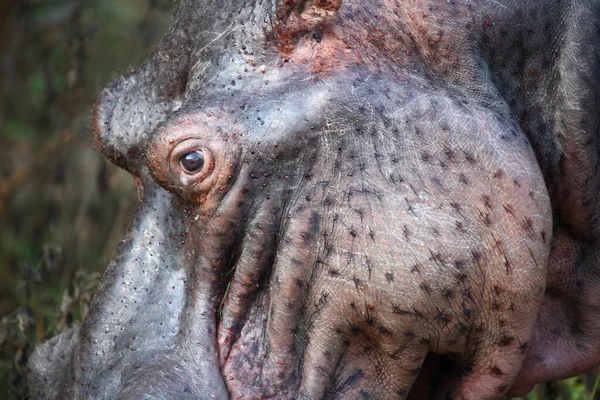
[{"x": 343, "y": 199}]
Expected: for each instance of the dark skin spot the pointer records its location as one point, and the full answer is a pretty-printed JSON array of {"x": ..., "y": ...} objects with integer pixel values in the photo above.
[
  {"x": 516, "y": 183},
  {"x": 389, "y": 276},
  {"x": 576, "y": 329},
  {"x": 507, "y": 265},
  {"x": 498, "y": 244},
  {"x": 553, "y": 292},
  {"x": 397, "y": 310},
  {"x": 528, "y": 225},
  {"x": 505, "y": 341},
  {"x": 316, "y": 36},
  {"x": 508, "y": 209},
  {"x": 437, "y": 182},
  {"x": 485, "y": 217},
  {"x": 442, "y": 317},
  {"x": 406, "y": 232},
  {"x": 384, "y": 331},
  {"x": 352, "y": 380},
  {"x": 462, "y": 178},
  {"x": 470, "y": 157},
  {"x": 355, "y": 330},
  {"x": 487, "y": 201},
  {"x": 496, "y": 371},
  {"x": 501, "y": 389},
  {"x": 449, "y": 154},
  {"x": 438, "y": 258},
  {"x": 456, "y": 207}
]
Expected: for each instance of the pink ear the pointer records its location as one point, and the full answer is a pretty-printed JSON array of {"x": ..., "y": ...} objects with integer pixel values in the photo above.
[{"x": 295, "y": 16}]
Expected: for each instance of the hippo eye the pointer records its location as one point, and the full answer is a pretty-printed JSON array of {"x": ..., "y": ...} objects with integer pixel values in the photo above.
[{"x": 192, "y": 162}]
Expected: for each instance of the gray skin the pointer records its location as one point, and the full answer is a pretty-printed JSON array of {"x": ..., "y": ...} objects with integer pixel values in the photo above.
[{"x": 398, "y": 200}]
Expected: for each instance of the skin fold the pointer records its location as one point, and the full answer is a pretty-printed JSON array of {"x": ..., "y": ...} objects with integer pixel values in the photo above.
[{"x": 393, "y": 200}]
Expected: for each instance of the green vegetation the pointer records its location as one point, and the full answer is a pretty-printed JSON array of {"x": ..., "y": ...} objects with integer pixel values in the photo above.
[{"x": 583, "y": 387}]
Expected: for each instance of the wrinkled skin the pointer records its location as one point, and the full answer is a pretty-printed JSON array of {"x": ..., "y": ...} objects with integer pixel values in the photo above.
[{"x": 398, "y": 200}]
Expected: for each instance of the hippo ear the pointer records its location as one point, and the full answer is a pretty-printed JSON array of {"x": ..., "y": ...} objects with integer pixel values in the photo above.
[{"x": 294, "y": 16}]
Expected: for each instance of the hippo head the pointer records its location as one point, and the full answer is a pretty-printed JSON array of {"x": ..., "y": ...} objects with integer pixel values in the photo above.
[{"x": 349, "y": 199}]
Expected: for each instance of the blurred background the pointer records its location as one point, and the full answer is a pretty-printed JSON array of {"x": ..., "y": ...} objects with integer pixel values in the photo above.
[{"x": 63, "y": 207}]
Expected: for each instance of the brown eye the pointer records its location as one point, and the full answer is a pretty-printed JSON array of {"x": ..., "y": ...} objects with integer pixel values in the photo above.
[{"x": 192, "y": 162}]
